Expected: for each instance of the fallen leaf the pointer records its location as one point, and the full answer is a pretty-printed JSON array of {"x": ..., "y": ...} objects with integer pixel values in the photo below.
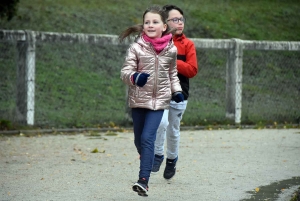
[
  {"x": 95, "y": 151},
  {"x": 111, "y": 134}
]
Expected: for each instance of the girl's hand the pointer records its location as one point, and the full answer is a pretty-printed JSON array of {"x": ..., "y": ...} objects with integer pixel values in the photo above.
[{"x": 140, "y": 79}]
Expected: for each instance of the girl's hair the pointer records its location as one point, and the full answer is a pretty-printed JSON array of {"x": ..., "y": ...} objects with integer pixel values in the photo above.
[{"x": 156, "y": 9}]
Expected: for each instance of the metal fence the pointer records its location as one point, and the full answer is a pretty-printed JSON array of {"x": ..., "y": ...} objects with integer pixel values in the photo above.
[{"x": 72, "y": 80}]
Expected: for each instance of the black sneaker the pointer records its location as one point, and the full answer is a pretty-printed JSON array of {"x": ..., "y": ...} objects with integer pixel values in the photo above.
[
  {"x": 141, "y": 187},
  {"x": 170, "y": 169},
  {"x": 157, "y": 162}
]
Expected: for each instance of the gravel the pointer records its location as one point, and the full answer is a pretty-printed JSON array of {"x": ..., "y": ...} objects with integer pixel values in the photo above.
[{"x": 225, "y": 165}]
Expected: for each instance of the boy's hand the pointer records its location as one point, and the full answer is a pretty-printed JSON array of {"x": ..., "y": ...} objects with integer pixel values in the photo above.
[{"x": 178, "y": 97}]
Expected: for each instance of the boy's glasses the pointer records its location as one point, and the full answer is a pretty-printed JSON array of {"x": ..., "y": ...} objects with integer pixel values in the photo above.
[{"x": 176, "y": 20}]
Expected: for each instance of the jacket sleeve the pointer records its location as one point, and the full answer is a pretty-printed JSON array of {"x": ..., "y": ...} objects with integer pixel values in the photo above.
[
  {"x": 129, "y": 66},
  {"x": 175, "y": 83},
  {"x": 189, "y": 68}
]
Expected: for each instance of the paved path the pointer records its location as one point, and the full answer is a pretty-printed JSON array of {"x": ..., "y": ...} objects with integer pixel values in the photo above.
[{"x": 225, "y": 165}]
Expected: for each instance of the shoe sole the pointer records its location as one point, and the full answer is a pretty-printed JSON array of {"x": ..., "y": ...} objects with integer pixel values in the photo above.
[
  {"x": 154, "y": 171},
  {"x": 140, "y": 190},
  {"x": 169, "y": 178}
]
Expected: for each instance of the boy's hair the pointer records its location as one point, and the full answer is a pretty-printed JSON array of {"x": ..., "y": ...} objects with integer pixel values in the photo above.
[
  {"x": 168, "y": 8},
  {"x": 139, "y": 27}
]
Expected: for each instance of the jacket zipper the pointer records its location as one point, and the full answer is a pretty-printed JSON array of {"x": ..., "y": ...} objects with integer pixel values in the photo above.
[
  {"x": 155, "y": 77},
  {"x": 155, "y": 86}
]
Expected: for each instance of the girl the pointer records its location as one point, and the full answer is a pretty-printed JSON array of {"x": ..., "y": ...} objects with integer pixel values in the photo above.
[{"x": 150, "y": 72}]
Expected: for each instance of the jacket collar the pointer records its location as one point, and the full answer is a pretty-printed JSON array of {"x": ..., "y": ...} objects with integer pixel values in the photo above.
[{"x": 179, "y": 37}]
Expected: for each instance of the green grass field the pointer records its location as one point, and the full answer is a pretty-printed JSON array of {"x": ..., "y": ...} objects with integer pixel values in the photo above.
[{"x": 251, "y": 20}]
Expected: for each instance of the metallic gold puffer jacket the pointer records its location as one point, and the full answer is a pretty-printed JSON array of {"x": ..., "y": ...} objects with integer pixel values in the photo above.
[{"x": 162, "y": 82}]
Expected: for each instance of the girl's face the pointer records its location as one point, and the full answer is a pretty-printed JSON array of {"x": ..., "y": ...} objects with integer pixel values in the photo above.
[
  {"x": 153, "y": 25},
  {"x": 175, "y": 14}
]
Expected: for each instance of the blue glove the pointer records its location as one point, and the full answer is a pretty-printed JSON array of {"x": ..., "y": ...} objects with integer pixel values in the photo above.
[
  {"x": 178, "y": 97},
  {"x": 140, "y": 79}
]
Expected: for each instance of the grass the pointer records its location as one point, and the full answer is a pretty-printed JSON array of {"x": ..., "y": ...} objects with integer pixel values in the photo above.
[
  {"x": 78, "y": 85},
  {"x": 296, "y": 195},
  {"x": 253, "y": 20}
]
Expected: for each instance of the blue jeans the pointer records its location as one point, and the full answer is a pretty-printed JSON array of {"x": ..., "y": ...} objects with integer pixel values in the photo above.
[{"x": 145, "y": 124}]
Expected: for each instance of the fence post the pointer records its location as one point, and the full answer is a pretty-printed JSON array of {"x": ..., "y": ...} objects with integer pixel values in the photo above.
[
  {"x": 26, "y": 79},
  {"x": 234, "y": 69}
]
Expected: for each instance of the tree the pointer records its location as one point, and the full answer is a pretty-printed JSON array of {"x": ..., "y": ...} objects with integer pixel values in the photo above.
[{"x": 8, "y": 9}]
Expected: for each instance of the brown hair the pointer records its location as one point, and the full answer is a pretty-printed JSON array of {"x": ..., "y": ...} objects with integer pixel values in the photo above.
[
  {"x": 168, "y": 8},
  {"x": 138, "y": 28}
]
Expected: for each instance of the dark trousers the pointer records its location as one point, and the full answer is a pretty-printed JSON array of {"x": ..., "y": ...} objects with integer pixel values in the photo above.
[{"x": 145, "y": 124}]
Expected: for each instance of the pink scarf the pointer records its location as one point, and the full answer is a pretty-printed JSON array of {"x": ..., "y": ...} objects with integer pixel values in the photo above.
[{"x": 158, "y": 43}]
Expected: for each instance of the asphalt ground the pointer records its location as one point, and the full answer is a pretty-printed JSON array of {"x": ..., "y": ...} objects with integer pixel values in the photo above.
[{"x": 225, "y": 165}]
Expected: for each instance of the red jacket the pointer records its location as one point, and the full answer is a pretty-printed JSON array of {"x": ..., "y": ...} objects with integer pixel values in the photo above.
[{"x": 186, "y": 61}]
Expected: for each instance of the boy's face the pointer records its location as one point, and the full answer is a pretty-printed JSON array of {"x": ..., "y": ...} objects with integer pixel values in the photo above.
[
  {"x": 153, "y": 25},
  {"x": 180, "y": 25}
]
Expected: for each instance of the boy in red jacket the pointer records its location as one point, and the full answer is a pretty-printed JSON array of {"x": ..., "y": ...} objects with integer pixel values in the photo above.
[{"x": 170, "y": 124}]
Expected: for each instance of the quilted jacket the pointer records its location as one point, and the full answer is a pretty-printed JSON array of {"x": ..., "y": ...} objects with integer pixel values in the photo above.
[{"x": 163, "y": 80}]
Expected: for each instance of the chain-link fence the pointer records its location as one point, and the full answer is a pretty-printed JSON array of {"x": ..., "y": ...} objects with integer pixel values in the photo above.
[
  {"x": 270, "y": 88},
  {"x": 76, "y": 83}
]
